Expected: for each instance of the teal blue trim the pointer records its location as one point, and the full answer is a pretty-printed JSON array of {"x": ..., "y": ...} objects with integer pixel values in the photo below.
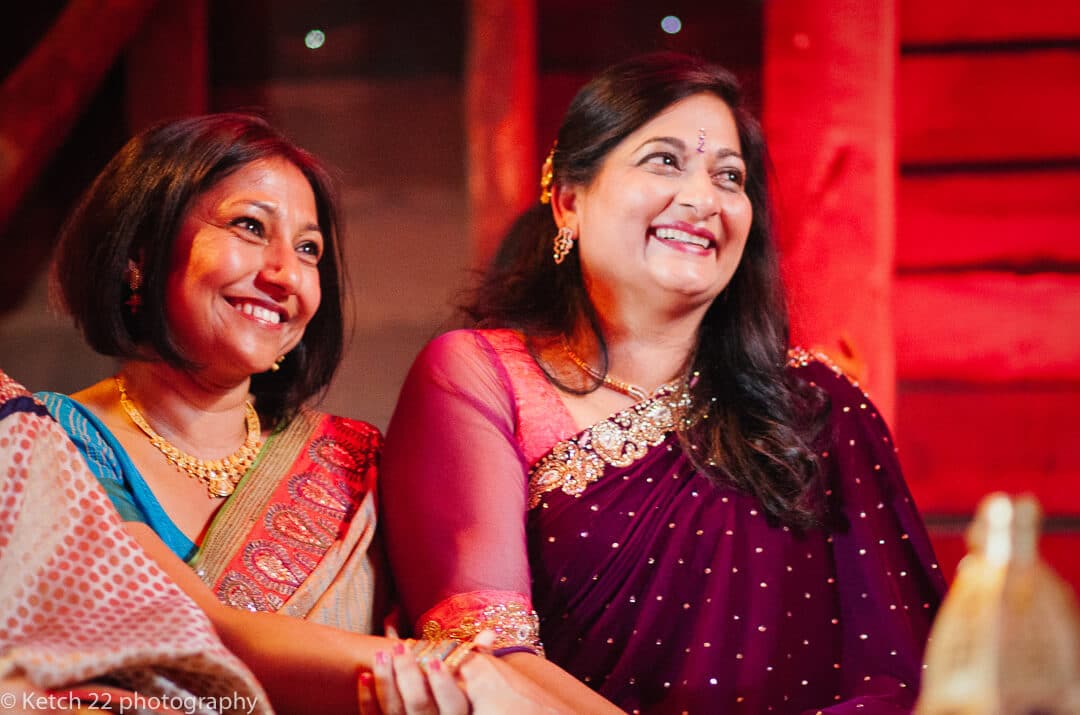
[{"x": 110, "y": 463}]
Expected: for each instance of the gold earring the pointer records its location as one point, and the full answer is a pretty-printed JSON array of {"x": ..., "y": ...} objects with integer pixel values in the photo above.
[
  {"x": 134, "y": 280},
  {"x": 564, "y": 243},
  {"x": 277, "y": 363}
]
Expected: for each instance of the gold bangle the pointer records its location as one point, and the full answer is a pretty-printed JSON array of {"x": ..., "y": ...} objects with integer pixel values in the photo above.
[
  {"x": 440, "y": 651},
  {"x": 453, "y": 661}
]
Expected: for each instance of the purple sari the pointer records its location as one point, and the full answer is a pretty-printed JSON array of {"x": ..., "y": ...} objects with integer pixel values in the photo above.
[{"x": 661, "y": 590}]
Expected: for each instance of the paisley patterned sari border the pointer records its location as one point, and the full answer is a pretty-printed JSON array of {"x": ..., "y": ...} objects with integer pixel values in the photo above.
[{"x": 232, "y": 523}]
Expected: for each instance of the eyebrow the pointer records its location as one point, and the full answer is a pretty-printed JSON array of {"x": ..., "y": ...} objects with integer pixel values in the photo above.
[
  {"x": 681, "y": 145},
  {"x": 271, "y": 209}
]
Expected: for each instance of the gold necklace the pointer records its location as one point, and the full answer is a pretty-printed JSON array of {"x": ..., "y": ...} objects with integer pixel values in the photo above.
[
  {"x": 219, "y": 476},
  {"x": 625, "y": 388}
]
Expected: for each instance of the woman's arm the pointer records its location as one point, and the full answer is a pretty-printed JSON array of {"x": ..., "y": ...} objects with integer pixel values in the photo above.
[
  {"x": 304, "y": 666},
  {"x": 289, "y": 656},
  {"x": 453, "y": 491},
  {"x": 888, "y": 581}
]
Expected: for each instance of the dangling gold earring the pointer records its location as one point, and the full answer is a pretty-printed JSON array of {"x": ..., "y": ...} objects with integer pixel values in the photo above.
[
  {"x": 134, "y": 279},
  {"x": 564, "y": 243},
  {"x": 277, "y": 363}
]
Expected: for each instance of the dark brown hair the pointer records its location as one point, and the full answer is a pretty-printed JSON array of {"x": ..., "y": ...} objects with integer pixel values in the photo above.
[
  {"x": 761, "y": 421},
  {"x": 133, "y": 210}
]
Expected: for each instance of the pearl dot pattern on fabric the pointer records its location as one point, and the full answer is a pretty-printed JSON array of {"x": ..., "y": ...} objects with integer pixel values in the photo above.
[{"x": 87, "y": 602}]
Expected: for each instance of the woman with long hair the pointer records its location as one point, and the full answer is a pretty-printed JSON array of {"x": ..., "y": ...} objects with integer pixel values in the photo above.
[{"x": 622, "y": 467}]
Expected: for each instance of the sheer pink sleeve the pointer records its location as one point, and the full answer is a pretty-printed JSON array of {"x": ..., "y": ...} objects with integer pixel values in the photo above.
[{"x": 453, "y": 490}]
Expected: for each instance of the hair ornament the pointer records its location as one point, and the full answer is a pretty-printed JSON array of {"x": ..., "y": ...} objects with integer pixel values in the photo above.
[{"x": 547, "y": 175}]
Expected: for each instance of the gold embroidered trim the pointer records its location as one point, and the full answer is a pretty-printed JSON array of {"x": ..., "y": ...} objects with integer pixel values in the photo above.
[
  {"x": 514, "y": 625},
  {"x": 619, "y": 441},
  {"x": 801, "y": 357}
]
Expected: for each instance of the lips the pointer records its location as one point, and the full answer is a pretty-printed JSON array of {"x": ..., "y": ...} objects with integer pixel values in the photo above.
[
  {"x": 689, "y": 238},
  {"x": 260, "y": 312}
]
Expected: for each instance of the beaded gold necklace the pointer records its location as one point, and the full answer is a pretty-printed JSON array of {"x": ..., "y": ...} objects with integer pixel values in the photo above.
[
  {"x": 625, "y": 388},
  {"x": 219, "y": 476}
]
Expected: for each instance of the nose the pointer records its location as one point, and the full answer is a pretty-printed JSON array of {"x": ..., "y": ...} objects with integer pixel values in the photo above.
[
  {"x": 698, "y": 193},
  {"x": 281, "y": 271}
]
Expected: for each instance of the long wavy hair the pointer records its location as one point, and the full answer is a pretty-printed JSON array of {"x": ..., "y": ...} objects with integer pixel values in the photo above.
[{"x": 761, "y": 421}]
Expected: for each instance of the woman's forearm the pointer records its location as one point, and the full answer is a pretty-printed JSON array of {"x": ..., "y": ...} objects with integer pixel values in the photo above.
[{"x": 303, "y": 666}]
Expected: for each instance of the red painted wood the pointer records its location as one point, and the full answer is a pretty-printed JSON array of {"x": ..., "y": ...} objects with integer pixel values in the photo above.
[
  {"x": 959, "y": 443},
  {"x": 1058, "y": 550},
  {"x": 42, "y": 98},
  {"x": 934, "y": 21},
  {"x": 829, "y": 114},
  {"x": 988, "y": 107},
  {"x": 170, "y": 50},
  {"x": 988, "y": 327},
  {"x": 1013, "y": 218},
  {"x": 500, "y": 110}
]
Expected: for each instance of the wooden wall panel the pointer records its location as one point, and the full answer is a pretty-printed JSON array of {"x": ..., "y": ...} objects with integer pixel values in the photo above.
[
  {"x": 959, "y": 442},
  {"x": 987, "y": 296},
  {"x": 1025, "y": 219},
  {"x": 988, "y": 327},
  {"x": 829, "y": 113},
  {"x": 951, "y": 21},
  {"x": 995, "y": 107}
]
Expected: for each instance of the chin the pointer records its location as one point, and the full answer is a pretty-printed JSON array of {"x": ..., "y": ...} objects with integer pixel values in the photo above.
[{"x": 692, "y": 286}]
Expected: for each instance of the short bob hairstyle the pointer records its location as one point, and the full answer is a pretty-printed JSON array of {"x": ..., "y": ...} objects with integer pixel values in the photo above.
[{"x": 134, "y": 209}]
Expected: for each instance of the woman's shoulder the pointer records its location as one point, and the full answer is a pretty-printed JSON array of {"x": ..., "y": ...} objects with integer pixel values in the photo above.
[
  {"x": 98, "y": 445},
  {"x": 818, "y": 369},
  {"x": 74, "y": 417},
  {"x": 359, "y": 430},
  {"x": 470, "y": 353},
  {"x": 475, "y": 341}
]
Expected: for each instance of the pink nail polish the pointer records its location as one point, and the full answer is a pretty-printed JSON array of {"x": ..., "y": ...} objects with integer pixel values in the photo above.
[
  {"x": 435, "y": 665},
  {"x": 399, "y": 649},
  {"x": 380, "y": 657}
]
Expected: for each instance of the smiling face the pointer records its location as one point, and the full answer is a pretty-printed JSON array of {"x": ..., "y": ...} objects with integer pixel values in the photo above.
[
  {"x": 666, "y": 218},
  {"x": 244, "y": 281}
]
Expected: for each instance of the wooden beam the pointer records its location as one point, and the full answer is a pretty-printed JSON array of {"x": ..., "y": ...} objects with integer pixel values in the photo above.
[
  {"x": 937, "y": 22},
  {"x": 988, "y": 327},
  {"x": 1024, "y": 219},
  {"x": 500, "y": 111},
  {"x": 987, "y": 108},
  {"x": 828, "y": 87},
  {"x": 169, "y": 53},
  {"x": 41, "y": 100}
]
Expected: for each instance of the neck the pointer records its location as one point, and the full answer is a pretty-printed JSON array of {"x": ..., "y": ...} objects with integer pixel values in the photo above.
[
  {"x": 647, "y": 354},
  {"x": 187, "y": 409}
]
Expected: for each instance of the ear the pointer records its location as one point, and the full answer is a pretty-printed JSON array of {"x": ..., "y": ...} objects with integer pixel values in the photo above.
[{"x": 565, "y": 201}]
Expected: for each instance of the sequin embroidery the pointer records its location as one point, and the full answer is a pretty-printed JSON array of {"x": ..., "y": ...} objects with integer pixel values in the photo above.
[
  {"x": 618, "y": 441},
  {"x": 513, "y": 624}
]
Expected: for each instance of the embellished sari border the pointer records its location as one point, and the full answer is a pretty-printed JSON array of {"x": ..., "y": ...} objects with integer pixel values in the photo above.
[
  {"x": 799, "y": 356},
  {"x": 462, "y": 616},
  {"x": 231, "y": 525},
  {"x": 618, "y": 441}
]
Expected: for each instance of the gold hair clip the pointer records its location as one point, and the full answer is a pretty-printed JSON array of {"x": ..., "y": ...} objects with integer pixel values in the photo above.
[{"x": 547, "y": 175}]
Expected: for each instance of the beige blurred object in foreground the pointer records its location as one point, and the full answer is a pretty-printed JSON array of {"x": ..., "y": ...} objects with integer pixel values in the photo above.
[{"x": 1007, "y": 638}]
